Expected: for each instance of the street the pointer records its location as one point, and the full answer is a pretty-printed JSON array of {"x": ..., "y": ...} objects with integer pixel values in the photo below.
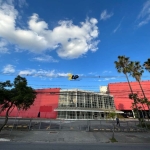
[{"x": 58, "y": 146}]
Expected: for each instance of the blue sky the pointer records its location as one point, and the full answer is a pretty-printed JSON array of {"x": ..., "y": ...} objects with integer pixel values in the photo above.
[{"x": 45, "y": 40}]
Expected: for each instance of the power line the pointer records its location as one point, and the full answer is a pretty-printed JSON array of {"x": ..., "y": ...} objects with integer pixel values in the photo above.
[{"x": 59, "y": 76}]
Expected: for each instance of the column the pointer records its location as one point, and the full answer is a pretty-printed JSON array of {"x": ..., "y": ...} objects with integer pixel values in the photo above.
[
  {"x": 99, "y": 115},
  {"x": 67, "y": 97},
  {"x": 103, "y": 102},
  {"x": 76, "y": 114},
  {"x": 97, "y": 102},
  {"x": 66, "y": 114},
  {"x": 76, "y": 97},
  {"x": 91, "y": 100},
  {"x": 84, "y": 100}
]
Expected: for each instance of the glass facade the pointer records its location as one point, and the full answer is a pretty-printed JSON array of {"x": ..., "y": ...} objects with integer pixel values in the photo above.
[{"x": 78, "y": 104}]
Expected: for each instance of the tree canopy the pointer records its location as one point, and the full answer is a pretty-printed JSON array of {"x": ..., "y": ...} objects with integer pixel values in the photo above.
[
  {"x": 16, "y": 94},
  {"x": 147, "y": 64},
  {"x": 133, "y": 68}
]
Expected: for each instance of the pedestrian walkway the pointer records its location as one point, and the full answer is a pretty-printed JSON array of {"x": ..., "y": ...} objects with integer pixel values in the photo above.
[{"x": 74, "y": 136}]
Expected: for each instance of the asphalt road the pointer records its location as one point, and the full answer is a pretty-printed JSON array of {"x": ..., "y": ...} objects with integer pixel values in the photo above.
[{"x": 58, "y": 146}]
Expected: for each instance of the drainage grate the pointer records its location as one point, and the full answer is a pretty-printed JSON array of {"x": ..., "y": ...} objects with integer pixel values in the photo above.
[{"x": 53, "y": 132}]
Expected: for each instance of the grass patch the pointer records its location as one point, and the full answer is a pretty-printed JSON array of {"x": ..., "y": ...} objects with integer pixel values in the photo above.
[{"x": 113, "y": 140}]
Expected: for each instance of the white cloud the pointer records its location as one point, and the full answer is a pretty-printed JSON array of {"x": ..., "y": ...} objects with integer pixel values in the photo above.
[
  {"x": 62, "y": 74},
  {"x": 146, "y": 21},
  {"x": 107, "y": 71},
  {"x": 8, "y": 69},
  {"x": 144, "y": 15},
  {"x": 104, "y": 15},
  {"x": 22, "y": 3},
  {"x": 3, "y": 46},
  {"x": 45, "y": 58},
  {"x": 116, "y": 29},
  {"x": 69, "y": 40},
  {"x": 19, "y": 3},
  {"x": 33, "y": 72},
  {"x": 107, "y": 79},
  {"x": 27, "y": 72},
  {"x": 42, "y": 73},
  {"x": 92, "y": 73},
  {"x": 3, "y": 50},
  {"x": 8, "y": 1}
]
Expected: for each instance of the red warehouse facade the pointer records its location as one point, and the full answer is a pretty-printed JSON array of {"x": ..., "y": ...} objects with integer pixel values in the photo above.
[
  {"x": 43, "y": 106},
  {"x": 121, "y": 91}
]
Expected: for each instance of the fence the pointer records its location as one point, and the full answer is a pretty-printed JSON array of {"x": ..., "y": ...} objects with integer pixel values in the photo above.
[{"x": 71, "y": 125}]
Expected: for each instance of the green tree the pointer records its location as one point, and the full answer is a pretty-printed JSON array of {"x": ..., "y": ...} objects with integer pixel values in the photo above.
[
  {"x": 123, "y": 66},
  {"x": 147, "y": 65},
  {"x": 136, "y": 72},
  {"x": 16, "y": 94},
  {"x": 112, "y": 114}
]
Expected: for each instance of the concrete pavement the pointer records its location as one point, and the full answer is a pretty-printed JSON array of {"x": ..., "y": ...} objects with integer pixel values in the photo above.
[{"x": 73, "y": 136}]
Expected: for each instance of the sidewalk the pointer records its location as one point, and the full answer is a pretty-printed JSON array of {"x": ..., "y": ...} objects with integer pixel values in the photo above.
[{"x": 74, "y": 136}]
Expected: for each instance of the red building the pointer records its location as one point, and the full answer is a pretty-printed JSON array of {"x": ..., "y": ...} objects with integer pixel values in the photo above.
[
  {"x": 43, "y": 106},
  {"x": 121, "y": 91}
]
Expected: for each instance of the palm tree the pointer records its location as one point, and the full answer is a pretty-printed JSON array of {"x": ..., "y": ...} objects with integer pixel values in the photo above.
[
  {"x": 123, "y": 66},
  {"x": 147, "y": 65},
  {"x": 136, "y": 72}
]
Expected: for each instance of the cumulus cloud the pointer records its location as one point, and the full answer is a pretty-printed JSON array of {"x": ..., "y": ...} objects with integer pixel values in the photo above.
[
  {"x": 8, "y": 69},
  {"x": 144, "y": 15},
  {"x": 69, "y": 40},
  {"x": 105, "y": 15},
  {"x": 45, "y": 58}
]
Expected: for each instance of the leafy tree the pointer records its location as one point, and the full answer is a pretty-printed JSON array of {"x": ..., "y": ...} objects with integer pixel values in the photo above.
[
  {"x": 16, "y": 94},
  {"x": 123, "y": 66},
  {"x": 147, "y": 65},
  {"x": 112, "y": 115},
  {"x": 136, "y": 72},
  {"x": 135, "y": 96}
]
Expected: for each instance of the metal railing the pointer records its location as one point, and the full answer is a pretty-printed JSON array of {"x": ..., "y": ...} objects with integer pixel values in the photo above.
[{"x": 72, "y": 125}]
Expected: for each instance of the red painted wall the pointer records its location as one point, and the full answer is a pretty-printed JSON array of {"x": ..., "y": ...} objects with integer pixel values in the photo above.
[
  {"x": 45, "y": 103},
  {"x": 121, "y": 90}
]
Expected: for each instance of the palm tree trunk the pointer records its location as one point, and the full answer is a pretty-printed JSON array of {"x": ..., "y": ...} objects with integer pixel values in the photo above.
[
  {"x": 129, "y": 84},
  {"x": 144, "y": 95},
  {"x": 132, "y": 93}
]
